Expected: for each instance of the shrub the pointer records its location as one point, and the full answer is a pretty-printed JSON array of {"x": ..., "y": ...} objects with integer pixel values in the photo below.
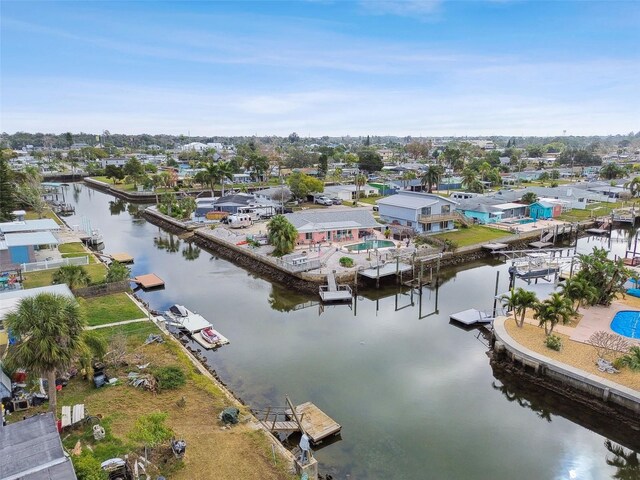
[
  {"x": 117, "y": 272},
  {"x": 553, "y": 342},
  {"x": 450, "y": 245},
  {"x": 632, "y": 359},
  {"x": 170, "y": 378},
  {"x": 87, "y": 467},
  {"x": 150, "y": 430},
  {"x": 346, "y": 262}
]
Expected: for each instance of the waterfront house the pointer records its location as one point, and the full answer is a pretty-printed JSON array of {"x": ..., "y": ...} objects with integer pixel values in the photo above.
[
  {"x": 423, "y": 212},
  {"x": 18, "y": 248},
  {"x": 544, "y": 210},
  {"x": 480, "y": 213},
  {"x": 24, "y": 226},
  {"x": 348, "y": 192},
  {"x": 331, "y": 225}
]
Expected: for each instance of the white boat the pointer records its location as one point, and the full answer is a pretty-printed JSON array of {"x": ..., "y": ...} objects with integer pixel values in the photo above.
[{"x": 179, "y": 316}]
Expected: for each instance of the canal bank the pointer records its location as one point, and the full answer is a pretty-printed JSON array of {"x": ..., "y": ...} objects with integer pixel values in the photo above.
[
  {"x": 412, "y": 392},
  {"x": 593, "y": 391}
]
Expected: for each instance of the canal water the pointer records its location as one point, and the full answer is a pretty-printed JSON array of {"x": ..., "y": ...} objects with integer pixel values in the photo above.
[{"x": 415, "y": 394}]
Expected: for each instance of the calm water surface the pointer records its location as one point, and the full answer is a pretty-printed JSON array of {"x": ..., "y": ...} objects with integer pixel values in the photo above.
[{"x": 415, "y": 395}]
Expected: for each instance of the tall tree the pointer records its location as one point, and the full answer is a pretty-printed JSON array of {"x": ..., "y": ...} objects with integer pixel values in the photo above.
[
  {"x": 225, "y": 171},
  {"x": 432, "y": 177},
  {"x": 579, "y": 291},
  {"x": 555, "y": 309},
  {"x": 7, "y": 191},
  {"x": 282, "y": 235},
  {"x": 360, "y": 181},
  {"x": 369, "y": 161},
  {"x": 50, "y": 328},
  {"x": 518, "y": 301},
  {"x": 634, "y": 187}
]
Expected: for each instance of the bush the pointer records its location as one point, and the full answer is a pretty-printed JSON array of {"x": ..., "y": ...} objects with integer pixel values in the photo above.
[
  {"x": 632, "y": 359},
  {"x": 450, "y": 245},
  {"x": 117, "y": 272},
  {"x": 150, "y": 430},
  {"x": 346, "y": 262},
  {"x": 170, "y": 378},
  {"x": 87, "y": 467},
  {"x": 553, "y": 342}
]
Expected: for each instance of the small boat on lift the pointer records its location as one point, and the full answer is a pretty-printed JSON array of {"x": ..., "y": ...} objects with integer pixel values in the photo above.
[{"x": 210, "y": 335}]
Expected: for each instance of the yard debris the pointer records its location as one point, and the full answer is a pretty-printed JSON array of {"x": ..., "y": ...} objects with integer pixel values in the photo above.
[
  {"x": 606, "y": 366},
  {"x": 143, "y": 380},
  {"x": 98, "y": 432},
  {"x": 154, "y": 337},
  {"x": 230, "y": 415},
  {"x": 142, "y": 367}
]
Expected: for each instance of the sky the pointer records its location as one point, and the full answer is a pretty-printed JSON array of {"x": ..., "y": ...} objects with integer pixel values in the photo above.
[{"x": 321, "y": 67}]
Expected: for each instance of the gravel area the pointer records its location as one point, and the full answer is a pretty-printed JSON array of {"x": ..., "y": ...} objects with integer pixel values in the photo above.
[{"x": 573, "y": 353}]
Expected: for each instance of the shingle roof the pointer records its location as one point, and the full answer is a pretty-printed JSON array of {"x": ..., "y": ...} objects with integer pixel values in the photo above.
[
  {"x": 331, "y": 219},
  {"x": 32, "y": 450},
  {"x": 413, "y": 200}
]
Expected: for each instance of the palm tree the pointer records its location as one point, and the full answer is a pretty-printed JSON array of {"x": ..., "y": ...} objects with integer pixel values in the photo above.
[
  {"x": 50, "y": 329},
  {"x": 407, "y": 176},
  {"x": 212, "y": 175},
  {"x": 469, "y": 178},
  {"x": 282, "y": 235},
  {"x": 360, "y": 181},
  {"x": 552, "y": 311},
  {"x": 519, "y": 300},
  {"x": 579, "y": 291},
  {"x": 529, "y": 198},
  {"x": 626, "y": 461},
  {"x": 634, "y": 187},
  {"x": 432, "y": 177},
  {"x": 225, "y": 172},
  {"x": 75, "y": 276}
]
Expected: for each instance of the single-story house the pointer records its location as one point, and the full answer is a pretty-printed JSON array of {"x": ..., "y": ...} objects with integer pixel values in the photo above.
[
  {"x": 116, "y": 162},
  {"x": 278, "y": 194},
  {"x": 544, "y": 210},
  {"x": 31, "y": 449},
  {"x": 10, "y": 299},
  {"x": 480, "y": 212},
  {"x": 512, "y": 210},
  {"x": 42, "y": 225},
  {"x": 331, "y": 225},
  {"x": 348, "y": 192},
  {"x": 423, "y": 212},
  {"x": 17, "y": 248}
]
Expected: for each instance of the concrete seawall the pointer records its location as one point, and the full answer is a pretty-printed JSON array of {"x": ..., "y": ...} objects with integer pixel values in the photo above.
[{"x": 606, "y": 393}]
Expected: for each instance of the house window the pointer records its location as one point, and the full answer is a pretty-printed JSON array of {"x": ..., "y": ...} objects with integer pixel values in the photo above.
[
  {"x": 409, "y": 224},
  {"x": 444, "y": 225},
  {"x": 445, "y": 209},
  {"x": 308, "y": 236},
  {"x": 427, "y": 227},
  {"x": 426, "y": 211}
]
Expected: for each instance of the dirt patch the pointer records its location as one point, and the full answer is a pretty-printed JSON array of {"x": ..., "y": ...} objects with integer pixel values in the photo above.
[{"x": 573, "y": 353}]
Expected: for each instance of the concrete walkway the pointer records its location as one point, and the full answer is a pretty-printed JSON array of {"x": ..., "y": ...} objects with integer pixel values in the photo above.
[{"x": 115, "y": 324}]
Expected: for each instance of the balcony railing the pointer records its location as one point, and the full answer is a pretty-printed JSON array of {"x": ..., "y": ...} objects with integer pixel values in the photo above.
[{"x": 440, "y": 217}]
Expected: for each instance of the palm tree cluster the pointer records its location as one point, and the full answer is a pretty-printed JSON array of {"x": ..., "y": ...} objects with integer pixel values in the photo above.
[{"x": 282, "y": 235}]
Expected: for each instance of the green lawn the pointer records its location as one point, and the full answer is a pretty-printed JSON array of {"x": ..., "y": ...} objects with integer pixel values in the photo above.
[
  {"x": 109, "y": 309},
  {"x": 472, "y": 235},
  {"x": 74, "y": 247},
  {"x": 46, "y": 214},
  {"x": 43, "y": 278},
  {"x": 370, "y": 200}
]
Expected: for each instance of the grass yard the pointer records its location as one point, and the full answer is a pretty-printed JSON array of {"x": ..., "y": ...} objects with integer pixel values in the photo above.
[
  {"x": 237, "y": 452},
  {"x": 75, "y": 249},
  {"x": 46, "y": 214},
  {"x": 43, "y": 278},
  {"x": 116, "y": 307},
  {"x": 370, "y": 200},
  {"x": 472, "y": 235}
]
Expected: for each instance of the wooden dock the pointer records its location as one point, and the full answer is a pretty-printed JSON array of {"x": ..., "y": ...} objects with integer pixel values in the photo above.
[
  {"x": 540, "y": 244},
  {"x": 332, "y": 292},
  {"x": 197, "y": 337},
  {"x": 385, "y": 270},
  {"x": 471, "y": 317},
  {"x": 494, "y": 247},
  {"x": 306, "y": 417},
  {"x": 121, "y": 257},
  {"x": 150, "y": 280}
]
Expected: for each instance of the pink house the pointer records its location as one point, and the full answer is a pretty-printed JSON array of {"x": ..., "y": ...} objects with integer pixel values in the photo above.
[{"x": 329, "y": 225}]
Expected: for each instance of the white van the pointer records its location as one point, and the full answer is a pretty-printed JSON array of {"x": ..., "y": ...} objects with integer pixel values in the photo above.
[{"x": 241, "y": 220}]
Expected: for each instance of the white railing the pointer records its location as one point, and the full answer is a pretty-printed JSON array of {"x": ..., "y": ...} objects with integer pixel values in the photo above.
[{"x": 49, "y": 264}]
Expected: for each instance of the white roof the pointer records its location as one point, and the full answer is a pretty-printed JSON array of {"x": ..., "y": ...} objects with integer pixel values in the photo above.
[
  {"x": 414, "y": 200},
  {"x": 27, "y": 239},
  {"x": 9, "y": 300},
  {"x": 506, "y": 206},
  {"x": 43, "y": 224}
]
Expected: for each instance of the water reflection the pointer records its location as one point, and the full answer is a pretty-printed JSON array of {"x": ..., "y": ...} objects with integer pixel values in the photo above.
[
  {"x": 282, "y": 299},
  {"x": 190, "y": 252},
  {"x": 625, "y": 461},
  {"x": 117, "y": 206},
  {"x": 167, "y": 241}
]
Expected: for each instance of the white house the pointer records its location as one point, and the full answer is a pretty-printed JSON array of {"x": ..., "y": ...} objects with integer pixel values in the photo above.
[
  {"x": 118, "y": 162},
  {"x": 424, "y": 212},
  {"x": 348, "y": 192}
]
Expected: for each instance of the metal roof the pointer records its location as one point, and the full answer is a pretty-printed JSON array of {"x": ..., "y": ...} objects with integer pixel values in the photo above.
[
  {"x": 43, "y": 224},
  {"x": 10, "y": 299},
  {"x": 323, "y": 220},
  {"x": 32, "y": 238},
  {"x": 414, "y": 200},
  {"x": 32, "y": 450}
]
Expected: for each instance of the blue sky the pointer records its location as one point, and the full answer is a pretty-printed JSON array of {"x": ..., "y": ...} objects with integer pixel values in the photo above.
[{"x": 421, "y": 68}]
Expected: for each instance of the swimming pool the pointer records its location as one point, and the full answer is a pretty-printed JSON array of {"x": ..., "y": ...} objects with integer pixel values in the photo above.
[
  {"x": 526, "y": 220},
  {"x": 627, "y": 323},
  {"x": 370, "y": 244}
]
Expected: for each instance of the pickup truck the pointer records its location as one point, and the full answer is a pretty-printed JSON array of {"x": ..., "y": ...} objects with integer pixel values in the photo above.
[{"x": 323, "y": 201}]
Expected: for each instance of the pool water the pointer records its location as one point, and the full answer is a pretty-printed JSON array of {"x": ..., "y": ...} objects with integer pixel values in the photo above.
[
  {"x": 371, "y": 244},
  {"x": 526, "y": 220},
  {"x": 627, "y": 323}
]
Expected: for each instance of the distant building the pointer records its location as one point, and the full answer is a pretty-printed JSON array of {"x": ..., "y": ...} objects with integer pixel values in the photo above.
[{"x": 117, "y": 162}]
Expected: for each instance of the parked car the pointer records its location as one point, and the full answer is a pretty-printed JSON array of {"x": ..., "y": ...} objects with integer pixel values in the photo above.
[
  {"x": 323, "y": 201},
  {"x": 336, "y": 201}
]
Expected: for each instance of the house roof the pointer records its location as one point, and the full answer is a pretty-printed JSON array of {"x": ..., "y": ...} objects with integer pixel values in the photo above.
[
  {"x": 479, "y": 207},
  {"x": 508, "y": 205},
  {"x": 32, "y": 450},
  {"x": 241, "y": 199},
  {"x": 542, "y": 204},
  {"x": 413, "y": 200},
  {"x": 346, "y": 188},
  {"x": 43, "y": 224},
  {"x": 323, "y": 220},
  {"x": 10, "y": 299},
  {"x": 28, "y": 239}
]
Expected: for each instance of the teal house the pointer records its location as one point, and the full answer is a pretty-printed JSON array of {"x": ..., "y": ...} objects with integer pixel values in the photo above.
[
  {"x": 481, "y": 213},
  {"x": 544, "y": 210}
]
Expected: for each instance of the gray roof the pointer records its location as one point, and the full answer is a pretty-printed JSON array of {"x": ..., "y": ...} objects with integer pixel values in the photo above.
[
  {"x": 32, "y": 450},
  {"x": 33, "y": 238},
  {"x": 43, "y": 224},
  {"x": 331, "y": 219},
  {"x": 10, "y": 298},
  {"x": 413, "y": 200},
  {"x": 478, "y": 207},
  {"x": 239, "y": 199}
]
